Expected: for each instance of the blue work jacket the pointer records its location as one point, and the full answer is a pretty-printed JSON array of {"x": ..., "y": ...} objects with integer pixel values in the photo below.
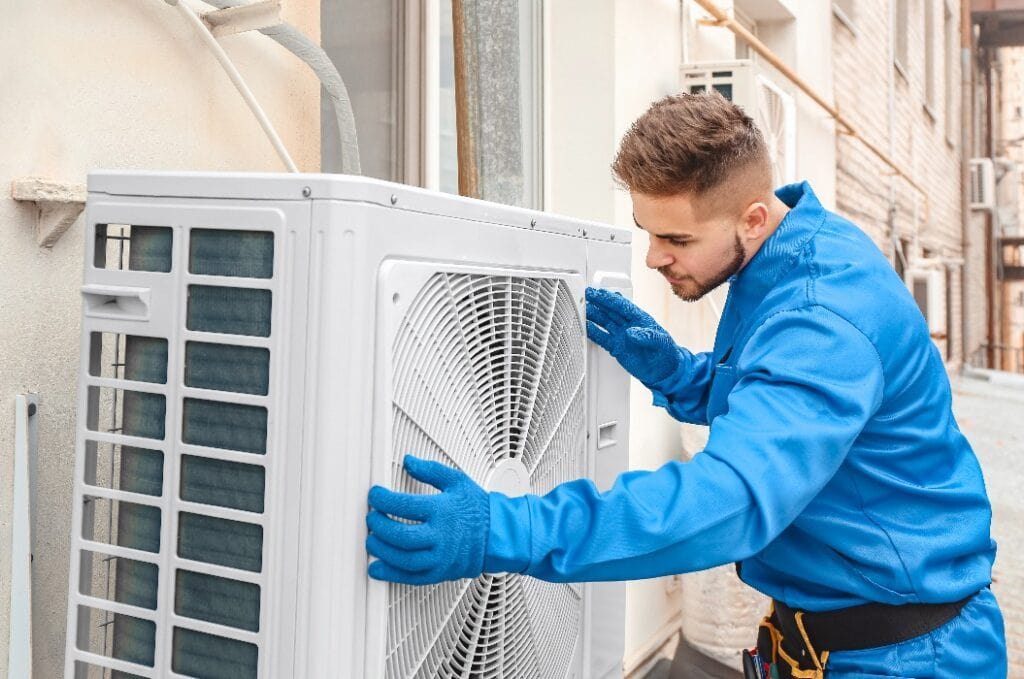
[{"x": 834, "y": 473}]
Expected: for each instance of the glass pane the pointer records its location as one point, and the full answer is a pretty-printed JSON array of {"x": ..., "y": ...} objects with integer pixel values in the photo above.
[
  {"x": 116, "y": 636},
  {"x": 210, "y": 657},
  {"x": 225, "y": 484},
  {"x": 125, "y": 581},
  {"x": 218, "y": 600},
  {"x": 125, "y": 524},
  {"x": 369, "y": 56},
  {"x": 224, "y": 367},
  {"x": 220, "y": 541},
  {"x": 231, "y": 426},
  {"x": 132, "y": 247},
  {"x": 219, "y": 252},
  {"x": 232, "y": 311},
  {"x": 136, "y": 470},
  {"x": 503, "y": 52},
  {"x": 143, "y": 359}
]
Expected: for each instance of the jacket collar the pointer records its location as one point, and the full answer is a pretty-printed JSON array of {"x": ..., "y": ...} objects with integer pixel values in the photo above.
[{"x": 780, "y": 252}]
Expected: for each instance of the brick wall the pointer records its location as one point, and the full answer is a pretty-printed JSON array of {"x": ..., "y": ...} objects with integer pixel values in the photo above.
[{"x": 886, "y": 206}]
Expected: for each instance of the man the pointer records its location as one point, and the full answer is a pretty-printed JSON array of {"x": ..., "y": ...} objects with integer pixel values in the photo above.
[{"x": 834, "y": 476}]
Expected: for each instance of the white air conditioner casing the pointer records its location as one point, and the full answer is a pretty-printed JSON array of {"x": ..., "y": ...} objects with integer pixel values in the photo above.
[
  {"x": 927, "y": 283},
  {"x": 773, "y": 109},
  {"x": 299, "y": 334},
  {"x": 983, "y": 184}
]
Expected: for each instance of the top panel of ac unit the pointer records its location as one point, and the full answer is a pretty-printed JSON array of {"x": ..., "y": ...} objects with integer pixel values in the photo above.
[{"x": 284, "y": 186}]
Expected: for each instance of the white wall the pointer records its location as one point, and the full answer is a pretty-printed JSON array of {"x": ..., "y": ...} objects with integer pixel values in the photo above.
[{"x": 106, "y": 84}]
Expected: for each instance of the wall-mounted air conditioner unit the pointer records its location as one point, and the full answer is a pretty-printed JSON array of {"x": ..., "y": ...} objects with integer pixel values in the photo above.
[
  {"x": 983, "y": 184},
  {"x": 257, "y": 350},
  {"x": 773, "y": 109},
  {"x": 928, "y": 286}
]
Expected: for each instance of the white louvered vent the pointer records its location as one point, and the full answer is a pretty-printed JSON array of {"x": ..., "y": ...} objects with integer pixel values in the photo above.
[{"x": 488, "y": 377}]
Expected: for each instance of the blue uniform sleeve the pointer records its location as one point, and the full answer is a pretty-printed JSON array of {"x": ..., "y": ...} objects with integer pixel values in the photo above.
[
  {"x": 808, "y": 381},
  {"x": 684, "y": 393}
]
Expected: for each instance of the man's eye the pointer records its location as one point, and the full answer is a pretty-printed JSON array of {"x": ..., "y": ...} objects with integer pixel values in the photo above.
[{"x": 677, "y": 242}]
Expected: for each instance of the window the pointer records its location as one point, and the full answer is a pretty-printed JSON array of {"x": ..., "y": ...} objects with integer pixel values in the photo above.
[
  {"x": 364, "y": 40},
  {"x": 929, "y": 55},
  {"x": 844, "y": 11},
  {"x": 743, "y": 50},
  {"x": 950, "y": 52},
  {"x": 901, "y": 24},
  {"x": 398, "y": 64},
  {"x": 507, "y": 76}
]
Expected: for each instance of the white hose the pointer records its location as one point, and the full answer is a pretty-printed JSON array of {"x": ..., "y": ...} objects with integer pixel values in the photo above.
[
  {"x": 296, "y": 42},
  {"x": 236, "y": 78}
]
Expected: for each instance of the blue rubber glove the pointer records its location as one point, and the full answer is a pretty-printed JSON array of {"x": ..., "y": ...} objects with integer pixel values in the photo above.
[
  {"x": 450, "y": 538},
  {"x": 631, "y": 335}
]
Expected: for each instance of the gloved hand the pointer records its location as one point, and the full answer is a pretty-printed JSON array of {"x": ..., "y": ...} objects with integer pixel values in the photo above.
[
  {"x": 450, "y": 539},
  {"x": 628, "y": 333}
]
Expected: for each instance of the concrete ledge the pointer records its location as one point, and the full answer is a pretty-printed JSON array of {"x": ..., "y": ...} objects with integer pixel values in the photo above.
[{"x": 60, "y": 204}]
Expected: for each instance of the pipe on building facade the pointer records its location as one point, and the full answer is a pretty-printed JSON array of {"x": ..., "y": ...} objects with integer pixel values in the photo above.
[
  {"x": 966, "y": 125},
  {"x": 723, "y": 19}
]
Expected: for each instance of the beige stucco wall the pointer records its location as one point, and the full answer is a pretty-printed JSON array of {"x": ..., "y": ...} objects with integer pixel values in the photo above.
[{"x": 108, "y": 84}]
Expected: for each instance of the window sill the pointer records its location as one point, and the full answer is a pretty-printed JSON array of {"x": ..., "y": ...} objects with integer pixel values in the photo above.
[
  {"x": 901, "y": 70},
  {"x": 844, "y": 19},
  {"x": 930, "y": 112}
]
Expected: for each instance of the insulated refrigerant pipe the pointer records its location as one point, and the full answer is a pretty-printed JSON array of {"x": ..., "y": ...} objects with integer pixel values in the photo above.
[
  {"x": 236, "y": 78},
  {"x": 299, "y": 44},
  {"x": 723, "y": 19}
]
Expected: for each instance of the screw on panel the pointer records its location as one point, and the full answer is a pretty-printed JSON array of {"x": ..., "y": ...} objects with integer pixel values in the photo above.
[
  {"x": 533, "y": 223},
  {"x": 584, "y": 233},
  {"x": 31, "y": 409},
  {"x": 306, "y": 192},
  {"x": 394, "y": 199}
]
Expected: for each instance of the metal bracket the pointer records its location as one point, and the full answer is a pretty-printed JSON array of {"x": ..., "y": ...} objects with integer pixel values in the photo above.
[
  {"x": 19, "y": 662},
  {"x": 59, "y": 203},
  {"x": 251, "y": 17}
]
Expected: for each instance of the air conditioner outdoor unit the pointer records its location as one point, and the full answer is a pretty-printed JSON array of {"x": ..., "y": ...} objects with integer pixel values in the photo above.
[
  {"x": 771, "y": 107},
  {"x": 257, "y": 350},
  {"x": 983, "y": 184},
  {"x": 928, "y": 286}
]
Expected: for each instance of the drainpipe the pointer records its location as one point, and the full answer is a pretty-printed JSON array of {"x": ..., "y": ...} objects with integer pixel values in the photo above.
[
  {"x": 990, "y": 297},
  {"x": 966, "y": 149}
]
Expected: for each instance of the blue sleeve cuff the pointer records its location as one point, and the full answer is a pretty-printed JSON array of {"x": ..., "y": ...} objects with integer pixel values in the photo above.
[
  {"x": 666, "y": 385},
  {"x": 509, "y": 538}
]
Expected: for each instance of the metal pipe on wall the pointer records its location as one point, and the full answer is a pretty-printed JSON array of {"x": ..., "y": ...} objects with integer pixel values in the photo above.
[
  {"x": 966, "y": 147},
  {"x": 466, "y": 94},
  {"x": 723, "y": 19}
]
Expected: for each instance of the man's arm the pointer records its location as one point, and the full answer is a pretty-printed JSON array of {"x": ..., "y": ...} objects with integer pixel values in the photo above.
[
  {"x": 684, "y": 393},
  {"x": 809, "y": 381}
]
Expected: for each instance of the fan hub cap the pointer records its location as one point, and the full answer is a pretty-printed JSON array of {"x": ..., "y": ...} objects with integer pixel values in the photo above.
[{"x": 510, "y": 478}]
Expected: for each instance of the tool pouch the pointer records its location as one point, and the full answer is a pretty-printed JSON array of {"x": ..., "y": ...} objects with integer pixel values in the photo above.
[{"x": 788, "y": 658}]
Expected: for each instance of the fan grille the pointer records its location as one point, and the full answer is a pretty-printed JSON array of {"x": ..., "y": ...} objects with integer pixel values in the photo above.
[{"x": 488, "y": 368}]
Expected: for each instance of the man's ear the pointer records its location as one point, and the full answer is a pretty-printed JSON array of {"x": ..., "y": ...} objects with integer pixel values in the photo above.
[{"x": 754, "y": 223}]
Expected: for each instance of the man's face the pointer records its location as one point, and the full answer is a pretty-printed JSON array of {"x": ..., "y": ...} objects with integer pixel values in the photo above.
[{"x": 695, "y": 254}]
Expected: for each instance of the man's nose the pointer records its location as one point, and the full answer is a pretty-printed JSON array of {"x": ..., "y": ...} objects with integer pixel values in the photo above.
[{"x": 657, "y": 257}]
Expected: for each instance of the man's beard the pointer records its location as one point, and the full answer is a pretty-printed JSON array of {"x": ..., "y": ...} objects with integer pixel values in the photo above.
[{"x": 733, "y": 267}]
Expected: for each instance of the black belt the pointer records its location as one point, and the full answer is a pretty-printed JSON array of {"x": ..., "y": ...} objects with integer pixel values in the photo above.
[{"x": 866, "y": 626}]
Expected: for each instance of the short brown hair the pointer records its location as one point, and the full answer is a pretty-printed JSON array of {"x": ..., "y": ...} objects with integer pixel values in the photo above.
[{"x": 692, "y": 143}]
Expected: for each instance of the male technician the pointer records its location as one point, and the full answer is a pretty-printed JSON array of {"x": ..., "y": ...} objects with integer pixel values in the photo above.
[{"x": 834, "y": 476}]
